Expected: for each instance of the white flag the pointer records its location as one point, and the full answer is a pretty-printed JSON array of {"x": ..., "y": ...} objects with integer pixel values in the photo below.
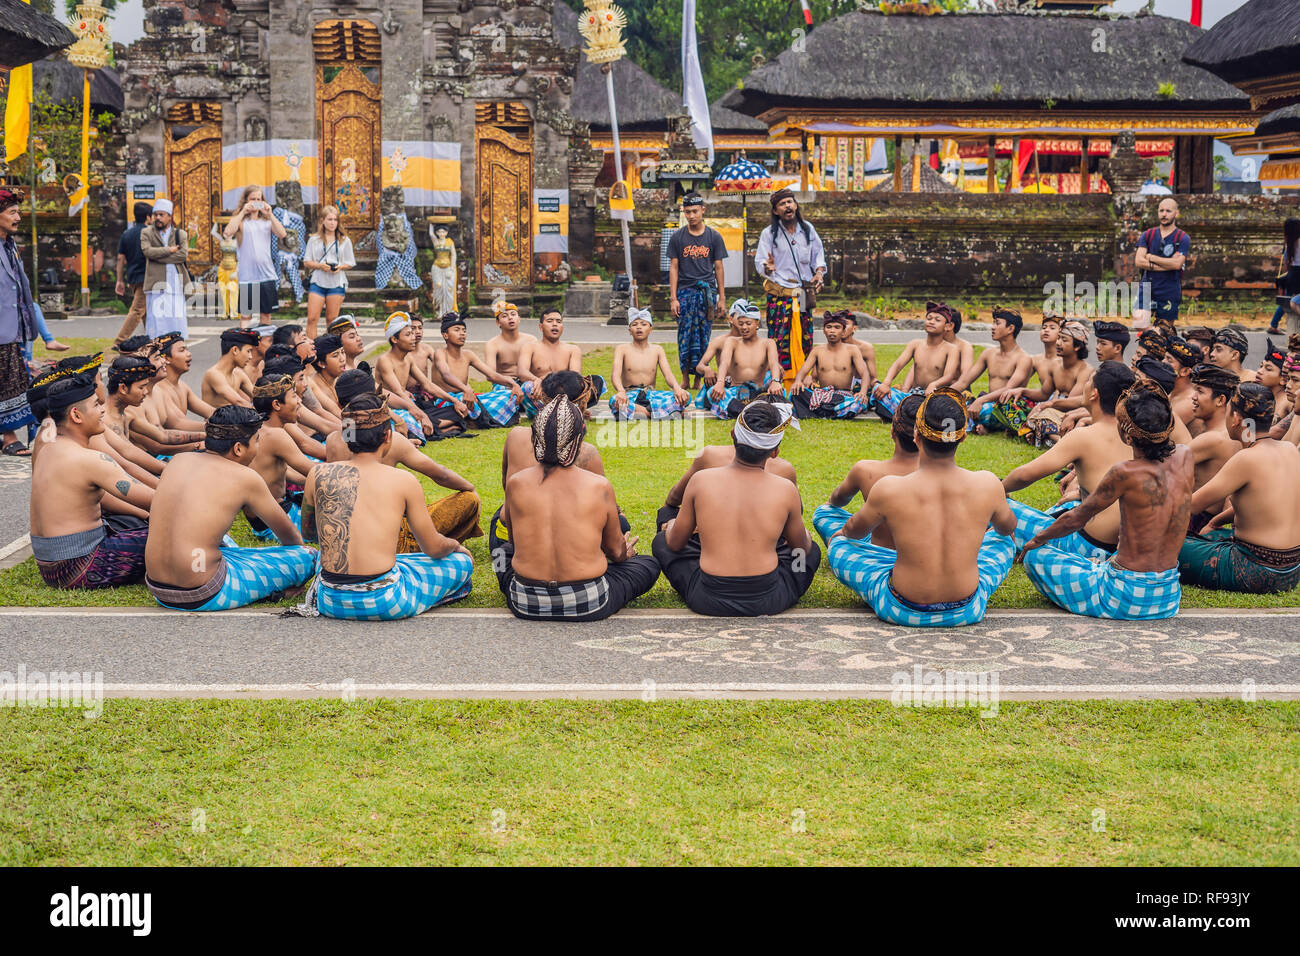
[{"x": 697, "y": 103}]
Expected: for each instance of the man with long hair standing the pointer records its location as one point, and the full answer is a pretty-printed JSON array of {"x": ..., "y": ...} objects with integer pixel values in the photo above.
[{"x": 792, "y": 263}]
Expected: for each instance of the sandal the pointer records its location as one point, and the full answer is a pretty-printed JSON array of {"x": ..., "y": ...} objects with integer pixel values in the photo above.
[{"x": 16, "y": 449}]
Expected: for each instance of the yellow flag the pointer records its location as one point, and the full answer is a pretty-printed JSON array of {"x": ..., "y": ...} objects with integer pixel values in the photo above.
[{"x": 17, "y": 116}]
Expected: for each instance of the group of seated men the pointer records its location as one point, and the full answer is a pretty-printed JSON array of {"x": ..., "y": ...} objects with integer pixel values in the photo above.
[{"x": 304, "y": 440}]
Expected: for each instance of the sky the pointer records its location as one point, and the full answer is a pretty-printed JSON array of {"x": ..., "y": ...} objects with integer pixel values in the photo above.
[{"x": 127, "y": 23}]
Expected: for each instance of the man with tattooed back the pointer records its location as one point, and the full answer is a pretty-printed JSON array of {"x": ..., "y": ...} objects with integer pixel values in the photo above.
[{"x": 355, "y": 509}]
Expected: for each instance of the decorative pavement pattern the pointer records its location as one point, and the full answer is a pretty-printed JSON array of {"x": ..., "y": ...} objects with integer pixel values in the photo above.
[{"x": 455, "y": 653}]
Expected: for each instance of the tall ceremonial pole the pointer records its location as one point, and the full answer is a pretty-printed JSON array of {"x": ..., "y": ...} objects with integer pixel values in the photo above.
[
  {"x": 602, "y": 26},
  {"x": 90, "y": 52}
]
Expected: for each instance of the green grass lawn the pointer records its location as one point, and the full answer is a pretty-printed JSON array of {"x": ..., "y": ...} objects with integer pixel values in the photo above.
[
  {"x": 556, "y": 782},
  {"x": 822, "y": 453}
]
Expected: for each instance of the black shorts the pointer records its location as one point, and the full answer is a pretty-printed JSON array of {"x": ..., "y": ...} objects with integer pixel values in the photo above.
[{"x": 259, "y": 298}]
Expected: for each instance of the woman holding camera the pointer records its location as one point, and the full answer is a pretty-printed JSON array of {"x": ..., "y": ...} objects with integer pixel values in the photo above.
[
  {"x": 329, "y": 256},
  {"x": 252, "y": 227}
]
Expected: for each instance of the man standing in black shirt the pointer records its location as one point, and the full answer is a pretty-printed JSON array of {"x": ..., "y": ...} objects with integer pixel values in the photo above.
[
  {"x": 696, "y": 288},
  {"x": 130, "y": 271}
]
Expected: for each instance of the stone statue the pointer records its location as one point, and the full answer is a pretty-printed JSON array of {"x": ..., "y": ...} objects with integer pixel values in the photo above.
[
  {"x": 442, "y": 276},
  {"x": 396, "y": 243}
]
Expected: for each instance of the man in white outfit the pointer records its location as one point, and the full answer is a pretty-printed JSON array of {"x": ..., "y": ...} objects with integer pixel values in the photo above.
[{"x": 166, "y": 248}]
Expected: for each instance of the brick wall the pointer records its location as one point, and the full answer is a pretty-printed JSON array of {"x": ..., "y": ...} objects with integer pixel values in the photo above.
[{"x": 940, "y": 244}]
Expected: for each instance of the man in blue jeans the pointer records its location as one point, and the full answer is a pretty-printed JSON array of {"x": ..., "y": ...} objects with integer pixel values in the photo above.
[{"x": 1162, "y": 253}]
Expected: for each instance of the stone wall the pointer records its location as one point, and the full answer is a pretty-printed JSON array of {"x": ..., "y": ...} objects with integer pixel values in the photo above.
[{"x": 917, "y": 245}]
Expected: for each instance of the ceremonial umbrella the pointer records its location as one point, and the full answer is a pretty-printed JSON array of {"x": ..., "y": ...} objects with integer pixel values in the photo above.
[
  {"x": 744, "y": 176},
  {"x": 26, "y": 34}
]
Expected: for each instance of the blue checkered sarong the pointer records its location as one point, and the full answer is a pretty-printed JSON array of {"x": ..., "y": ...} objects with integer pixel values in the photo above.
[
  {"x": 403, "y": 262},
  {"x": 744, "y": 393},
  {"x": 828, "y": 519},
  {"x": 413, "y": 429},
  {"x": 416, "y": 583},
  {"x": 501, "y": 407},
  {"x": 254, "y": 574},
  {"x": 868, "y": 568},
  {"x": 295, "y": 515},
  {"x": 828, "y": 402},
  {"x": 887, "y": 406},
  {"x": 662, "y": 403},
  {"x": 1096, "y": 587},
  {"x": 1030, "y": 521},
  {"x": 529, "y": 408}
]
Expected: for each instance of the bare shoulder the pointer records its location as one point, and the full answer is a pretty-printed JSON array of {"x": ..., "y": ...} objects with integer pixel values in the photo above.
[{"x": 782, "y": 469}]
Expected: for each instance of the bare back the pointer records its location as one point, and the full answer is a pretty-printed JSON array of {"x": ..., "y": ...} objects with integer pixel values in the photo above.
[
  {"x": 1267, "y": 478},
  {"x": 518, "y": 455},
  {"x": 358, "y": 511},
  {"x": 1155, "y": 502},
  {"x": 560, "y": 522},
  {"x": 741, "y": 513}
]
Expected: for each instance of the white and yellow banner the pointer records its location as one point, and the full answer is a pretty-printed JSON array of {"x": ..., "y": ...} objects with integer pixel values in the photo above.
[
  {"x": 428, "y": 172},
  {"x": 265, "y": 163}
]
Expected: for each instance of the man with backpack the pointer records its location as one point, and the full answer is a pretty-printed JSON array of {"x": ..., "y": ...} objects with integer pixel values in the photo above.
[{"x": 1162, "y": 253}]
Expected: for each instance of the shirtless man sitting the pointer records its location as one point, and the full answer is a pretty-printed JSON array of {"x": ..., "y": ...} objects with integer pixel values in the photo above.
[
  {"x": 226, "y": 383},
  {"x": 637, "y": 365},
  {"x": 948, "y": 560},
  {"x": 1092, "y": 452},
  {"x": 864, "y": 474},
  {"x": 176, "y": 400},
  {"x": 1260, "y": 553},
  {"x": 398, "y": 372},
  {"x": 1151, "y": 369},
  {"x": 747, "y": 368},
  {"x": 1212, "y": 390},
  {"x": 1112, "y": 339},
  {"x": 189, "y": 568},
  {"x": 74, "y": 544},
  {"x": 714, "y": 456},
  {"x": 738, "y": 546},
  {"x": 1009, "y": 366},
  {"x": 1152, "y": 491},
  {"x": 311, "y": 422},
  {"x": 572, "y": 561},
  {"x": 327, "y": 364},
  {"x": 540, "y": 357},
  {"x": 823, "y": 387},
  {"x": 456, "y": 515},
  {"x": 497, "y": 408},
  {"x": 1229, "y": 352},
  {"x": 1183, "y": 356},
  {"x": 708, "y": 374},
  {"x": 345, "y": 327},
  {"x": 356, "y": 508},
  {"x": 965, "y": 350},
  {"x": 1043, "y": 426},
  {"x": 279, "y": 460},
  {"x": 503, "y": 349},
  {"x": 936, "y": 363},
  {"x": 129, "y": 381},
  {"x": 865, "y": 349}
]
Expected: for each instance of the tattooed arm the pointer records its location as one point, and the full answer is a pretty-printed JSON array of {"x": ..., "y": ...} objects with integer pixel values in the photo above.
[
  {"x": 107, "y": 475},
  {"x": 1107, "y": 493}
]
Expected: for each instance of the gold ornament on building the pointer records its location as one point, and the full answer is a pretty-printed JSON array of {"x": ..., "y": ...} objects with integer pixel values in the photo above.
[
  {"x": 91, "y": 51},
  {"x": 601, "y": 25}
]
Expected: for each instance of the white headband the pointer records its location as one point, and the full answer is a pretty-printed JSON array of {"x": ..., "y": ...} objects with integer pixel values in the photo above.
[
  {"x": 743, "y": 307},
  {"x": 766, "y": 440},
  {"x": 633, "y": 314}
]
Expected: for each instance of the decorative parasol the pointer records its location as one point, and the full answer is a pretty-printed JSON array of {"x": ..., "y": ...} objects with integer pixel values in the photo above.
[{"x": 743, "y": 175}]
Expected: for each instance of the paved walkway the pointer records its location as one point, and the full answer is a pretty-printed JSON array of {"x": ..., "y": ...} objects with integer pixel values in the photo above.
[{"x": 802, "y": 654}]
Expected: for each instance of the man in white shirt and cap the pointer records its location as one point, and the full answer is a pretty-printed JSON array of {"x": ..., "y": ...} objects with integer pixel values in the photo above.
[{"x": 166, "y": 248}]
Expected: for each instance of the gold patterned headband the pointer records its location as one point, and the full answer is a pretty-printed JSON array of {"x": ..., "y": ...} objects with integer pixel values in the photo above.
[
  {"x": 1130, "y": 428},
  {"x": 275, "y": 387},
  {"x": 947, "y": 437},
  {"x": 363, "y": 418}
]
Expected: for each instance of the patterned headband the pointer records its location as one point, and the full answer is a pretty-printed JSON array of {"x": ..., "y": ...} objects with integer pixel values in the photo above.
[
  {"x": 1129, "y": 428},
  {"x": 275, "y": 387},
  {"x": 946, "y": 437},
  {"x": 557, "y": 432},
  {"x": 56, "y": 373},
  {"x": 236, "y": 431},
  {"x": 363, "y": 418}
]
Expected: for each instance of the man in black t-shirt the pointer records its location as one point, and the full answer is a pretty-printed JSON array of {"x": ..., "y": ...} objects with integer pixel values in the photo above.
[{"x": 695, "y": 285}]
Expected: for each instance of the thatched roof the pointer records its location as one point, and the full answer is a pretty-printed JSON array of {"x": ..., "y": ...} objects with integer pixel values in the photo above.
[
  {"x": 1260, "y": 38},
  {"x": 1285, "y": 120},
  {"x": 729, "y": 121},
  {"x": 1001, "y": 60},
  {"x": 641, "y": 101},
  {"x": 26, "y": 34},
  {"x": 931, "y": 181},
  {"x": 63, "y": 82}
]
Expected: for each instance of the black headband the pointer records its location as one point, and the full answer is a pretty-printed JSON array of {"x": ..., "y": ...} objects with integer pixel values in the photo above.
[{"x": 67, "y": 392}]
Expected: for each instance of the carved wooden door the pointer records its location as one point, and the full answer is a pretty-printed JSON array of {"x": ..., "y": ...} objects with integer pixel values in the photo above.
[
  {"x": 194, "y": 185},
  {"x": 504, "y": 206},
  {"x": 349, "y": 97}
]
